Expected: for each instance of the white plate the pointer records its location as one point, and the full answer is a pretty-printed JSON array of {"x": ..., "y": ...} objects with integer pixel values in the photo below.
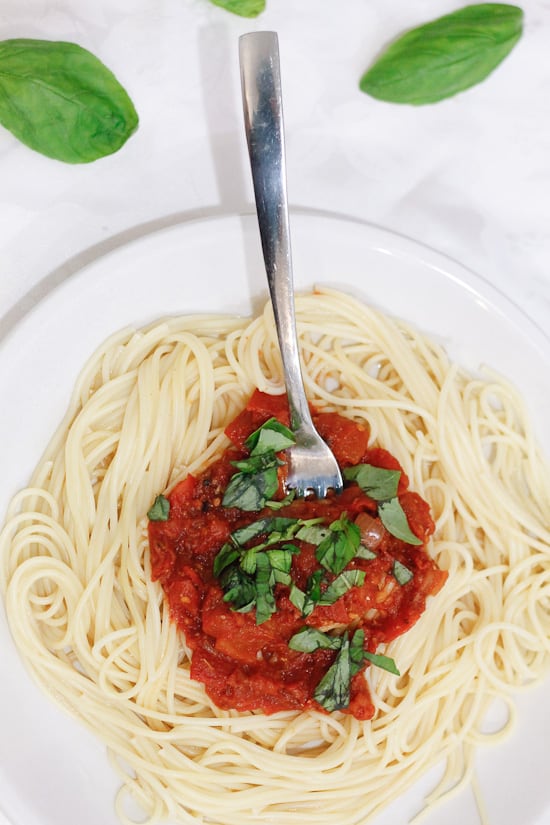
[{"x": 52, "y": 772}]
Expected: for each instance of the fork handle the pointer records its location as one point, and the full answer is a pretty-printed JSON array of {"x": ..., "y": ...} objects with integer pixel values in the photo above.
[{"x": 263, "y": 115}]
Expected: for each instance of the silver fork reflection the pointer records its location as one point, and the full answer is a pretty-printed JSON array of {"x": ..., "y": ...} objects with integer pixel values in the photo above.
[{"x": 311, "y": 465}]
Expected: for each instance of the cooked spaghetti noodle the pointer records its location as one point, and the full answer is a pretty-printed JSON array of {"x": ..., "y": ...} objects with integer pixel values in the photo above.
[{"x": 94, "y": 630}]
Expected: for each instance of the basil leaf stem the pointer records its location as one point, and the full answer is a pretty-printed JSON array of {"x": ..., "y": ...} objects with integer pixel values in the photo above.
[
  {"x": 62, "y": 101},
  {"x": 445, "y": 56}
]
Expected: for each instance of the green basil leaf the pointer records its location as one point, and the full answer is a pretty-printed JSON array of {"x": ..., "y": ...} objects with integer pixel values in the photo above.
[
  {"x": 313, "y": 533},
  {"x": 265, "y": 599},
  {"x": 306, "y": 602},
  {"x": 341, "y": 584},
  {"x": 248, "y": 562},
  {"x": 333, "y": 691},
  {"x": 268, "y": 525},
  {"x": 257, "y": 463},
  {"x": 61, "y": 101},
  {"x": 365, "y": 553},
  {"x": 309, "y": 639},
  {"x": 385, "y": 662},
  {"x": 377, "y": 482},
  {"x": 244, "y": 8},
  {"x": 340, "y": 546},
  {"x": 272, "y": 436},
  {"x": 239, "y": 589},
  {"x": 226, "y": 556},
  {"x": 401, "y": 573},
  {"x": 357, "y": 651},
  {"x": 445, "y": 56},
  {"x": 250, "y": 491},
  {"x": 281, "y": 559},
  {"x": 160, "y": 509},
  {"x": 395, "y": 521}
]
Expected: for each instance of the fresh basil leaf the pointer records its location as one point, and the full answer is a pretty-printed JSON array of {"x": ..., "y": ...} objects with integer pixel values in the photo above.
[
  {"x": 333, "y": 691},
  {"x": 62, "y": 101},
  {"x": 309, "y": 639},
  {"x": 377, "y": 482},
  {"x": 265, "y": 599},
  {"x": 272, "y": 436},
  {"x": 395, "y": 521},
  {"x": 401, "y": 573},
  {"x": 340, "y": 546},
  {"x": 239, "y": 589},
  {"x": 250, "y": 491},
  {"x": 341, "y": 584},
  {"x": 244, "y": 8},
  {"x": 385, "y": 662},
  {"x": 160, "y": 509},
  {"x": 226, "y": 556},
  {"x": 446, "y": 56}
]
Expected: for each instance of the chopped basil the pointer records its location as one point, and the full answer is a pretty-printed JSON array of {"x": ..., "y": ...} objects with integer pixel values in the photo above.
[
  {"x": 239, "y": 589},
  {"x": 257, "y": 480},
  {"x": 267, "y": 525},
  {"x": 340, "y": 545},
  {"x": 445, "y": 56},
  {"x": 313, "y": 533},
  {"x": 249, "y": 491},
  {"x": 384, "y": 662},
  {"x": 309, "y": 639},
  {"x": 341, "y": 584},
  {"x": 160, "y": 509},
  {"x": 226, "y": 556},
  {"x": 365, "y": 553},
  {"x": 248, "y": 562},
  {"x": 333, "y": 691},
  {"x": 377, "y": 482},
  {"x": 401, "y": 573},
  {"x": 265, "y": 598},
  {"x": 395, "y": 521},
  {"x": 257, "y": 463},
  {"x": 271, "y": 437},
  {"x": 308, "y": 600}
]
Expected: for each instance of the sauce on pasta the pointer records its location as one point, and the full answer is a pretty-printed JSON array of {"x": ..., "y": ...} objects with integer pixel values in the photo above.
[{"x": 251, "y": 662}]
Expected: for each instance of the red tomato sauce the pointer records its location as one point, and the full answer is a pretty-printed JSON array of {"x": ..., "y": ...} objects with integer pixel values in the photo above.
[{"x": 250, "y": 667}]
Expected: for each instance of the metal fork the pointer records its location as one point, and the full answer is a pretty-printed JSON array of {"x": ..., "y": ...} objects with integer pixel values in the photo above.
[{"x": 311, "y": 465}]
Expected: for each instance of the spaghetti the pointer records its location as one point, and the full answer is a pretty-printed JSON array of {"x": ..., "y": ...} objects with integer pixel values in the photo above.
[{"x": 151, "y": 407}]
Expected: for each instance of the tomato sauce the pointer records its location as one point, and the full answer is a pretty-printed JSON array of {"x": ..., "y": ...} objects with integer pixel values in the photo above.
[{"x": 248, "y": 666}]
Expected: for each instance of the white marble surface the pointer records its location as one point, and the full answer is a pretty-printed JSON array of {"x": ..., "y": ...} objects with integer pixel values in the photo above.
[{"x": 469, "y": 176}]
